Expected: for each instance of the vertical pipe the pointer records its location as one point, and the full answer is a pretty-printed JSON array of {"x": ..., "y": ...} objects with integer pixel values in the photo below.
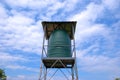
[
  {"x": 43, "y": 41},
  {"x": 40, "y": 71},
  {"x": 74, "y": 41},
  {"x": 72, "y": 70},
  {"x": 76, "y": 71},
  {"x": 45, "y": 74},
  {"x": 41, "y": 67}
]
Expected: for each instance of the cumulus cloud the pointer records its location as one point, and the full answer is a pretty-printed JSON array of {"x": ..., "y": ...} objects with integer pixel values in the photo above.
[
  {"x": 18, "y": 67},
  {"x": 111, "y": 4},
  {"x": 3, "y": 12},
  {"x": 95, "y": 40},
  {"x": 98, "y": 63},
  {"x": 24, "y": 30},
  {"x": 13, "y": 62},
  {"x": 25, "y": 3},
  {"x": 8, "y": 57},
  {"x": 86, "y": 26},
  {"x": 23, "y": 77},
  {"x": 19, "y": 20},
  {"x": 90, "y": 14},
  {"x": 21, "y": 32},
  {"x": 3, "y": 15}
]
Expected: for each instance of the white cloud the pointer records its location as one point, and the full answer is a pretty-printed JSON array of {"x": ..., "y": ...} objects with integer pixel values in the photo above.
[
  {"x": 19, "y": 20},
  {"x": 21, "y": 33},
  {"x": 30, "y": 4},
  {"x": 89, "y": 15},
  {"x": 98, "y": 63},
  {"x": 115, "y": 29},
  {"x": 45, "y": 9},
  {"x": 53, "y": 9},
  {"x": 5, "y": 57},
  {"x": 84, "y": 34},
  {"x": 112, "y": 7},
  {"x": 86, "y": 26},
  {"x": 111, "y": 4},
  {"x": 3, "y": 15},
  {"x": 8, "y": 59},
  {"x": 23, "y": 77},
  {"x": 69, "y": 5},
  {"x": 3, "y": 12},
  {"x": 39, "y": 4},
  {"x": 19, "y": 3},
  {"x": 25, "y": 68}
]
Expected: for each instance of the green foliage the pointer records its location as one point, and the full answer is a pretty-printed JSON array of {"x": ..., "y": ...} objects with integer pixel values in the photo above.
[
  {"x": 2, "y": 75},
  {"x": 117, "y": 79}
]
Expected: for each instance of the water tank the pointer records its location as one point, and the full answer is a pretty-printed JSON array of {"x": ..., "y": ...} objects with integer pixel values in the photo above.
[{"x": 59, "y": 44}]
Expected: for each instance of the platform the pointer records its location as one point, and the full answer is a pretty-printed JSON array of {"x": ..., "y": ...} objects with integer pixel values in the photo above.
[{"x": 58, "y": 62}]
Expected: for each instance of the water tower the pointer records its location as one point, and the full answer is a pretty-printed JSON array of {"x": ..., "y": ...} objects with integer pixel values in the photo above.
[{"x": 58, "y": 50}]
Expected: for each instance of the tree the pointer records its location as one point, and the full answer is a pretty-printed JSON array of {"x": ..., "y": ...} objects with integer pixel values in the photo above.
[
  {"x": 117, "y": 79},
  {"x": 2, "y": 75}
]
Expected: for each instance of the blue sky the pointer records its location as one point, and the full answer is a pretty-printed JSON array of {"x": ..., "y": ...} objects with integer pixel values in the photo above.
[{"x": 97, "y": 36}]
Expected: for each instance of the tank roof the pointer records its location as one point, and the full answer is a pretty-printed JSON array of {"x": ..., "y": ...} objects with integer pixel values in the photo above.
[{"x": 50, "y": 26}]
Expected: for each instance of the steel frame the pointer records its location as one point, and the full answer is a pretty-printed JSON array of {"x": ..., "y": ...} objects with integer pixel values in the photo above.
[{"x": 44, "y": 70}]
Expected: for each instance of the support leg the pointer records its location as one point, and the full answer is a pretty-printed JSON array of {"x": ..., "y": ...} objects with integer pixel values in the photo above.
[
  {"x": 72, "y": 70},
  {"x": 76, "y": 71},
  {"x": 45, "y": 74},
  {"x": 40, "y": 72}
]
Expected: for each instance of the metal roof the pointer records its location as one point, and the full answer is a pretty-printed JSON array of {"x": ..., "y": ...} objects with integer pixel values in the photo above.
[{"x": 49, "y": 27}]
